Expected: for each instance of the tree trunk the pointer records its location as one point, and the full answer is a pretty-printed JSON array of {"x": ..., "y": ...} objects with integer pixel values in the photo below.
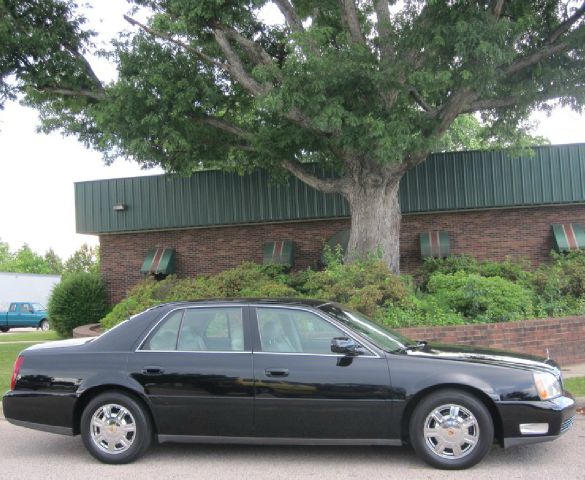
[{"x": 375, "y": 219}]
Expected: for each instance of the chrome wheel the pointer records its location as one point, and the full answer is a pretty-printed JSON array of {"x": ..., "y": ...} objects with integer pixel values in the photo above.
[
  {"x": 113, "y": 428},
  {"x": 45, "y": 326},
  {"x": 451, "y": 431}
]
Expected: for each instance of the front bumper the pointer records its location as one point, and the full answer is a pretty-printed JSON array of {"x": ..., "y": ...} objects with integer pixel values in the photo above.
[{"x": 558, "y": 414}]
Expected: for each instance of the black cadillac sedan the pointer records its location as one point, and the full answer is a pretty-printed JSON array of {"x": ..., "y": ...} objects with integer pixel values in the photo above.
[{"x": 283, "y": 372}]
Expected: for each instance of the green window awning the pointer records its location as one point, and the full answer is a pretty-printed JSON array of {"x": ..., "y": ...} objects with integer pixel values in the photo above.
[
  {"x": 434, "y": 244},
  {"x": 280, "y": 252},
  {"x": 159, "y": 261},
  {"x": 567, "y": 237}
]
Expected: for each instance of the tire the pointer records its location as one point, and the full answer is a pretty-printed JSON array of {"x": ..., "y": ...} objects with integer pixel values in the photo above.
[
  {"x": 451, "y": 430},
  {"x": 44, "y": 325},
  {"x": 4, "y": 329},
  {"x": 131, "y": 432}
]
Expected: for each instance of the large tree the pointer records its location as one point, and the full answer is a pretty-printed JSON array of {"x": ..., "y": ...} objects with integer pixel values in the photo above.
[{"x": 366, "y": 88}]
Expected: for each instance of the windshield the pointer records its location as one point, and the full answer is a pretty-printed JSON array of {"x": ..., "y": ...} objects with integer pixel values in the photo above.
[
  {"x": 380, "y": 336},
  {"x": 37, "y": 307}
]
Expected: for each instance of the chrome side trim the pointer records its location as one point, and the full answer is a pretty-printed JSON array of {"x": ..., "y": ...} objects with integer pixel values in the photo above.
[
  {"x": 277, "y": 440},
  {"x": 195, "y": 351},
  {"x": 339, "y": 355},
  {"x": 42, "y": 427}
]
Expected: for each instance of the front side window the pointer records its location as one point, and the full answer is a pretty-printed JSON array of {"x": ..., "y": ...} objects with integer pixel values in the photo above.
[
  {"x": 295, "y": 331},
  {"x": 384, "y": 338},
  {"x": 37, "y": 307},
  {"x": 200, "y": 330},
  {"x": 25, "y": 308}
]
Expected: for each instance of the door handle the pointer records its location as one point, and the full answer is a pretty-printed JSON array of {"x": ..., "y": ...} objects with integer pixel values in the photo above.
[
  {"x": 276, "y": 372},
  {"x": 153, "y": 370}
]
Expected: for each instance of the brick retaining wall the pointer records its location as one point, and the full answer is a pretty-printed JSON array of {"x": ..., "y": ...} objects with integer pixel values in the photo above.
[{"x": 563, "y": 337}]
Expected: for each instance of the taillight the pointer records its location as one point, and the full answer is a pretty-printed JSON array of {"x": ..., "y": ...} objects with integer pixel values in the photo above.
[{"x": 16, "y": 371}]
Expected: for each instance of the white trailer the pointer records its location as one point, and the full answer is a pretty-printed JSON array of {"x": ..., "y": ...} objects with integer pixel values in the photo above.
[{"x": 26, "y": 287}]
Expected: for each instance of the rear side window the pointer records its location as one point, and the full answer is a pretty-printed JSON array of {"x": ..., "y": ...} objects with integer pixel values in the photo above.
[
  {"x": 165, "y": 336},
  {"x": 200, "y": 330}
]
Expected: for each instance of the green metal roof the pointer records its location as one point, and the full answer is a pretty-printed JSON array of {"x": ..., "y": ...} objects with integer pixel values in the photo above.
[{"x": 446, "y": 181}]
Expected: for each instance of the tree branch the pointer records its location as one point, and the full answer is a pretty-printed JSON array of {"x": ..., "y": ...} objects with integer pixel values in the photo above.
[
  {"x": 567, "y": 24},
  {"x": 457, "y": 104},
  {"x": 384, "y": 27},
  {"x": 255, "y": 51},
  {"x": 179, "y": 43},
  {"x": 69, "y": 92},
  {"x": 534, "y": 58},
  {"x": 549, "y": 48},
  {"x": 290, "y": 15},
  {"x": 88, "y": 68},
  {"x": 511, "y": 100},
  {"x": 326, "y": 185},
  {"x": 418, "y": 98},
  {"x": 236, "y": 67},
  {"x": 350, "y": 18},
  {"x": 497, "y": 7},
  {"x": 223, "y": 125}
]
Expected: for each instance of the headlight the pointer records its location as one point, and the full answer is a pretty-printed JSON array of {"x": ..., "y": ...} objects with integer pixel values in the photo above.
[{"x": 547, "y": 385}]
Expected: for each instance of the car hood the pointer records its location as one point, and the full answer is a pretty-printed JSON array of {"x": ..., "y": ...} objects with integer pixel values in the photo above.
[
  {"x": 72, "y": 342},
  {"x": 482, "y": 355}
]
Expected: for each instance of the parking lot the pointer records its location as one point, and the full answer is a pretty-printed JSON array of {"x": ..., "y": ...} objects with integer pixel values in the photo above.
[{"x": 29, "y": 454}]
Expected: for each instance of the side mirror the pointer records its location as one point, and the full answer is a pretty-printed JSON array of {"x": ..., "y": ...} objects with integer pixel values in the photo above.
[{"x": 345, "y": 346}]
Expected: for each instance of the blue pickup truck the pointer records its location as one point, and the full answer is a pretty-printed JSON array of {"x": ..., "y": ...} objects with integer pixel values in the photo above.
[{"x": 24, "y": 314}]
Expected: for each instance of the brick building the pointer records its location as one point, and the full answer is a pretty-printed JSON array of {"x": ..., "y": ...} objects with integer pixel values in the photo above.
[{"x": 487, "y": 204}]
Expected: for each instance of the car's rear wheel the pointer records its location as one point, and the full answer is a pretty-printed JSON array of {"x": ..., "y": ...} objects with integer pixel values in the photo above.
[
  {"x": 44, "y": 325},
  {"x": 451, "y": 429},
  {"x": 4, "y": 329},
  {"x": 115, "y": 428}
]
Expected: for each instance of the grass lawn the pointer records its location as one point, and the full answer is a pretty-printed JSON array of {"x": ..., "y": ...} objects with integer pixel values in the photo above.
[
  {"x": 9, "y": 351},
  {"x": 576, "y": 386},
  {"x": 8, "y": 354},
  {"x": 29, "y": 336}
]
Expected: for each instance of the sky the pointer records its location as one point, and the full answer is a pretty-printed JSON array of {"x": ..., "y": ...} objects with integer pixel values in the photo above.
[{"x": 37, "y": 171}]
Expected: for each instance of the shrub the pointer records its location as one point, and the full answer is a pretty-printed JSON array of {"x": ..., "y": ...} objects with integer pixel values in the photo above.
[
  {"x": 424, "y": 311},
  {"x": 247, "y": 280},
  {"x": 79, "y": 299},
  {"x": 366, "y": 285},
  {"x": 560, "y": 286},
  {"x": 481, "y": 299},
  {"x": 510, "y": 269}
]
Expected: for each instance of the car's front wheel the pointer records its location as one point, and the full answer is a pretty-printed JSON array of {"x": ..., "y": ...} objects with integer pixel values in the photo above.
[
  {"x": 44, "y": 325},
  {"x": 451, "y": 429},
  {"x": 115, "y": 428}
]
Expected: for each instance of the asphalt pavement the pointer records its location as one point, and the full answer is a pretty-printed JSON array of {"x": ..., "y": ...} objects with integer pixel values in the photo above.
[{"x": 28, "y": 454}]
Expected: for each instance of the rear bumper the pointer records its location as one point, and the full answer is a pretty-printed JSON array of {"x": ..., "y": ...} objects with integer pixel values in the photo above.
[
  {"x": 49, "y": 412},
  {"x": 558, "y": 414}
]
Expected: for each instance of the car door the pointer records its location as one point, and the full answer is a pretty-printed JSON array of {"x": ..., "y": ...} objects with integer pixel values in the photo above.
[
  {"x": 27, "y": 317},
  {"x": 302, "y": 389},
  {"x": 12, "y": 316},
  {"x": 196, "y": 368}
]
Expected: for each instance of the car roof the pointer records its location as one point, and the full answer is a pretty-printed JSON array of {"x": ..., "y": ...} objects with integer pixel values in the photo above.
[{"x": 307, "y": 302}]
